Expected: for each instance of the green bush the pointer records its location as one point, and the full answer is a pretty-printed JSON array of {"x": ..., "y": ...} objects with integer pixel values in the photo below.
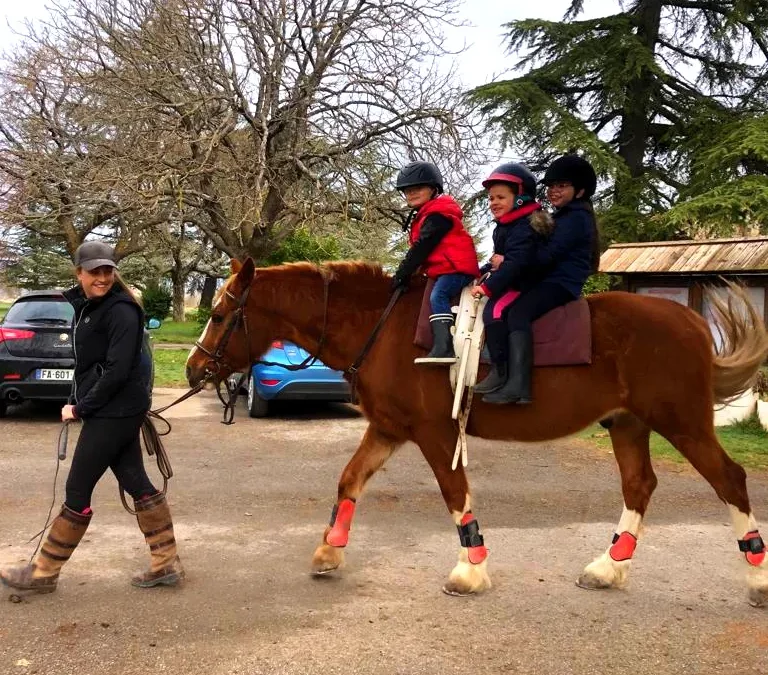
[
  {"x": 201, "y": 316},
  {"x": 597, "y": 283},
  {"x": 302, "y": 244},
  {"x": 157, "y": 301}
]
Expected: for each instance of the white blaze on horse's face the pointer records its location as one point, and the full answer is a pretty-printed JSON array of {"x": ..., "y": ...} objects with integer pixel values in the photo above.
[{"x": 205, "y": 330}]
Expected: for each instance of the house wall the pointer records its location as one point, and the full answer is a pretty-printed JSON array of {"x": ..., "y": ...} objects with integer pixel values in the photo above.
[{"x": 690, "y": 290}]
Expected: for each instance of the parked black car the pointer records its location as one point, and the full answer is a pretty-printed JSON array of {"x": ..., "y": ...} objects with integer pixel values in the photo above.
[
  {"x": 37, "y": 360},
  {"x": 36, "y": 356}
]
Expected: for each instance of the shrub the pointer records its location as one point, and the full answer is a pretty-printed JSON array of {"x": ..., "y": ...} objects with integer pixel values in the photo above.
[
  {"x": 157, "y": 301},
  {"x": 201, "y": 316}
]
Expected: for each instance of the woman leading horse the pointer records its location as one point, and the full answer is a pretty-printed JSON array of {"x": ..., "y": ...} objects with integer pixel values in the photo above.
[{"x": 653, "y": 367}]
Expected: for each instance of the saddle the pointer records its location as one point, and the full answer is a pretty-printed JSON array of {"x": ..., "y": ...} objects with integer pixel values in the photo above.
[{"x": 562, "y": 337}]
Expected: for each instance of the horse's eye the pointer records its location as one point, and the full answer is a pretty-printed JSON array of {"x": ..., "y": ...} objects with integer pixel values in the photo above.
[{"x": 216, "y": 318}]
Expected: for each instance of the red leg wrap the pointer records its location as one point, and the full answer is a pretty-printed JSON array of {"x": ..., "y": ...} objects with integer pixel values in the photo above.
[
  {"x": 338, "y": 535},
  {"x": 476, "y": 554},
  {"x": 623, "y": 547}
]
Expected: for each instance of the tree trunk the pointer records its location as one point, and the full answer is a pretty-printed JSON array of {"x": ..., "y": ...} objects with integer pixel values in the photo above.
[
  {"x": 209, "y": 290},
  {"x": 179, "y": 286},
  {"x": 637, "y": 117}
]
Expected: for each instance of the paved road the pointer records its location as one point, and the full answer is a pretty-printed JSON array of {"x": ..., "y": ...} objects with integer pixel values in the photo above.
[{"x": 250, "y": 503}]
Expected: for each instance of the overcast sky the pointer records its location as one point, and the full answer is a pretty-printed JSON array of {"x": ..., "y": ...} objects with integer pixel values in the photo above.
[{"x": 484, "y": 58}]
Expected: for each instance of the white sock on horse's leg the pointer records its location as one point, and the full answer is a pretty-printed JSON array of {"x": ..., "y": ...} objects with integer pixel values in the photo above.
[
  {"x": 471, "y": 572},
  {"x": 745, "y": 528},
  {"x": 611, "y": 569}
]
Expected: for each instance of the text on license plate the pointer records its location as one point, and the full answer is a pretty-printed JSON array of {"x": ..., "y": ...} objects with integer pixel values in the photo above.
[{"x": 54, "y": 374}]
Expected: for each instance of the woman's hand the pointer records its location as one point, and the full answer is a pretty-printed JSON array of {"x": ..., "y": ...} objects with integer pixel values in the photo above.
[
  {"x": 477, "y": 291},
  {"x": 496, "y": 260},
  {"x": 68, "y": 413}
]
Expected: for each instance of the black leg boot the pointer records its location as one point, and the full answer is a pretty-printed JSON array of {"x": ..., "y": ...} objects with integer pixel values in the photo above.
[
  {"x": 442, "y": 346},
  {"x": 518, "y": 386},
  {"x": 496, "y": 343}
]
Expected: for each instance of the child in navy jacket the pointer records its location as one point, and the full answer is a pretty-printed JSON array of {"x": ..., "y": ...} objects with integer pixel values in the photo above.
[{"x": 562, "y": 263}]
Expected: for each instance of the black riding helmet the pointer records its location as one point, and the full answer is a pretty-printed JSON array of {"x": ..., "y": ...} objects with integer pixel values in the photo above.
[
  {"x": 420, "y": 173},
  {"x": 515, "y": 174},
  {"x": 574, "y": 170}
]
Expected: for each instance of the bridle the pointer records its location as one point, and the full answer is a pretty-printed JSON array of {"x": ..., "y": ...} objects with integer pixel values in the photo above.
[{"x": 216, "y": 357}]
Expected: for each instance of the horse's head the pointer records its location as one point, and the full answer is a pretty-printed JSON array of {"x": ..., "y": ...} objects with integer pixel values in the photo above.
[{"x": 229, "y": 342}]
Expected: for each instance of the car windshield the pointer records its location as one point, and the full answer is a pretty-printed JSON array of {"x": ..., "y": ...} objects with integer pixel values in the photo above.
[{"x": 41, "y": 310}]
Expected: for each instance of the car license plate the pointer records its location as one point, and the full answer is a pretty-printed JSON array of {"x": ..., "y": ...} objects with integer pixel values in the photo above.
[{"x": 54, "y": 374}]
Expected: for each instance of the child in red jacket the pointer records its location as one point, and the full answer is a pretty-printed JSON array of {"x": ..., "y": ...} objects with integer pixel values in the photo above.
[{"x": 440, "y": 246}]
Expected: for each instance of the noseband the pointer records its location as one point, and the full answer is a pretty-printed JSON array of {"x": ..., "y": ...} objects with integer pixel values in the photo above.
[{"x": 217, "y": 355}]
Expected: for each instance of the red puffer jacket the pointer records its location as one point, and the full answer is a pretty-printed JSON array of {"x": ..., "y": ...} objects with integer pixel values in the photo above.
[{"x": 456, "y": 251}]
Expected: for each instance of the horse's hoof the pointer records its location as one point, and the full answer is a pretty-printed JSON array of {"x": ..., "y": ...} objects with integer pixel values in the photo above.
[
  {"x": 758, "y": 597},
  {"x": 457, "y": 590},
  {"x": 327, "y": 559},
  {"x": 592, "y": 582}
]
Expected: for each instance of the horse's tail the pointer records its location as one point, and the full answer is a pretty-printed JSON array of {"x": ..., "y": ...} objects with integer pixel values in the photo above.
[{"x": 744, "y": 343}]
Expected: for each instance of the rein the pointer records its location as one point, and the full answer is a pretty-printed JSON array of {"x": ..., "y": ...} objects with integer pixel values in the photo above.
[
  {"x": 352, "y": 370},
  {"x": 217, "y": 359}
]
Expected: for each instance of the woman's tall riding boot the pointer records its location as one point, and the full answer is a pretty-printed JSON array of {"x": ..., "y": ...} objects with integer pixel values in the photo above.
[
  {"x": 42, "y": 575},
  {"x": 154, "y": 518},
  {"x": 518, "y": 386}
]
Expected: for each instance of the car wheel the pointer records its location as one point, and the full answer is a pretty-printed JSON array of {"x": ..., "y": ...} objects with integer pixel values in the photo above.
[{"x": 257, "y": 406}]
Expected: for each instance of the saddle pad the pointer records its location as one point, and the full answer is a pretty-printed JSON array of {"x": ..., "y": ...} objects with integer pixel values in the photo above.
[{"x": 562, "y": 337}]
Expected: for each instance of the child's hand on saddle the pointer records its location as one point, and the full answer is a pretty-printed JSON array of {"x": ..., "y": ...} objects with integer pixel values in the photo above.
[
  {"x": 477, "y": 291},
  {"x": 496, "y": 260}
]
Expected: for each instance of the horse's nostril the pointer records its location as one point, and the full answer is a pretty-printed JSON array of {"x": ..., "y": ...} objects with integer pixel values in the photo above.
[{"x": 188, "y": 372}]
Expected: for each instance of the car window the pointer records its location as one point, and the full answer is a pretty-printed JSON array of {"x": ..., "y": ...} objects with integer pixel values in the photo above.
[{"x": 41, "y": 310}]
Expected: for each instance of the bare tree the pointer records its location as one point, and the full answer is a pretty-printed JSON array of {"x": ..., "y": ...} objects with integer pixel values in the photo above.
[
  {"x": 56, "y": 179},
  {"x": 245, "y": 118}
]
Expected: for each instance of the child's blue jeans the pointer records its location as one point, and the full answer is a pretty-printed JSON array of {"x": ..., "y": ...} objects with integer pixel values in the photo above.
[{"x": 446, "y": 288}]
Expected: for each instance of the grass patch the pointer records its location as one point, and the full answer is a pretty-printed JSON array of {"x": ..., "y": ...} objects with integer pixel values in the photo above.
[
  {"x": 4, "y": 306},
  {"x": 746, "y": 442},
  {"x": 169, "y": 367},
  {"x": 174, "y": 331}
]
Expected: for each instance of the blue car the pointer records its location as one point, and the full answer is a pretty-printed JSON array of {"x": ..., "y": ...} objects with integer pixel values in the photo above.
[{"x": 273, "y": 383}]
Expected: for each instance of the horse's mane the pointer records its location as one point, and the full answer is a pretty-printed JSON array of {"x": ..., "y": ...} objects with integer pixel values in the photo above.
[
  {"x": 341, "y": 270},
  {"x": 361, "y": 284}
]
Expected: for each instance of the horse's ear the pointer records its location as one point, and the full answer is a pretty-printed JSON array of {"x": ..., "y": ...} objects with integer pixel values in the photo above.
[
  {"x": 235, "y": 265},
  {"x": 246, "y": 272}
]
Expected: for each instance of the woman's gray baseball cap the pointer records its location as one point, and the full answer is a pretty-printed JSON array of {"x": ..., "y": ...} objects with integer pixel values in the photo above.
[{"x": 93, "y": 254}]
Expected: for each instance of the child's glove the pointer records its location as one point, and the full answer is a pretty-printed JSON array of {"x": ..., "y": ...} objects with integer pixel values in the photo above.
[{"x": 399, "y": 281}]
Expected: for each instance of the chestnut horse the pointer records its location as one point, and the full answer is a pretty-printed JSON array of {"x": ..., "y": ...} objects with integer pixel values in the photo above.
[{"x": 654, "y": 367}]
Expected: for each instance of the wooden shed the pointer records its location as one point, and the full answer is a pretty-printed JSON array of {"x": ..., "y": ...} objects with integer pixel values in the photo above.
[{"x": 679, "y": 270}]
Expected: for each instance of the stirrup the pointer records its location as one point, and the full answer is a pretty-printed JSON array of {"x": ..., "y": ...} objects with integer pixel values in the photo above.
[{"x": 437, "y": 360}]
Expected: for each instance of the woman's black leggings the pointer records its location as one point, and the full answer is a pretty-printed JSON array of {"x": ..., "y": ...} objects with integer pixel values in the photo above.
[{"x": 107, "y": 443}]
